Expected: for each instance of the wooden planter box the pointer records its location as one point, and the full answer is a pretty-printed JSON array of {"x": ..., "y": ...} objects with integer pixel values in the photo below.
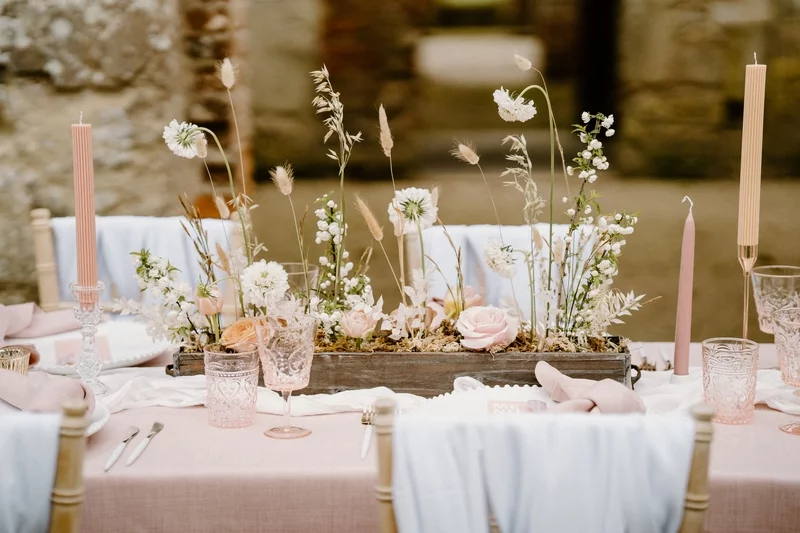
[{"x": 431, "y": 374}]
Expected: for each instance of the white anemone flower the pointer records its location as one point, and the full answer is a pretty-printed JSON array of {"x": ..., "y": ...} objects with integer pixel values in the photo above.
[
  {"x": 264, "y": 284},
  {"x": 513, "y": 110},
  {"x": 181, "y": 138},
  {"x": 500, "y": 259},
  {"x": 412, "y": 210}
]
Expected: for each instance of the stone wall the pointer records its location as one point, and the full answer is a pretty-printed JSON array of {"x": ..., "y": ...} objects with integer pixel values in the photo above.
[
  {"x": 682, "y": 83},
  {"x": 117, "y": 62}
]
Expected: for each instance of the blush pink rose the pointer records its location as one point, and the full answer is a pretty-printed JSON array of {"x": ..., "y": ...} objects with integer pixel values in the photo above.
[
  {"x": 471, "y": 299},
  {"x": 358, "y": 324},
  {"x": 486, "y": 328}
]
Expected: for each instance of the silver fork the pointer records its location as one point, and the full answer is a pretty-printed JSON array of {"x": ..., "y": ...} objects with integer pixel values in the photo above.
[{"x": 367, "y": 418}]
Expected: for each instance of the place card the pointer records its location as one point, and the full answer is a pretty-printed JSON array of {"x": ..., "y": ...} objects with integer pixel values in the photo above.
[{"x": 68, "y": 350}]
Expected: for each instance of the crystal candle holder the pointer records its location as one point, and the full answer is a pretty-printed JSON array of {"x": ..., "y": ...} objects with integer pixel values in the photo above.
[
  {"x": 786, "y": 323},
  {"x": 775, "y": 288},
  {"x": 231, "y": 387},
  {"x": 730, "y": 369},
  {"x": 15, "y": 358},
  {"x": 89, "y": 312}
]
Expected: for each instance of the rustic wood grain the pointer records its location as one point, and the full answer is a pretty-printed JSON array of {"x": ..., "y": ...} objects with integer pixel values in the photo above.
[{"x": 431, "y": 374}]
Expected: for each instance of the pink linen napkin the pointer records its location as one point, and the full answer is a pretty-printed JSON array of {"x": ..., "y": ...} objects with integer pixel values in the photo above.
[
  {"x": 25, "y": 321},
  {"x": 584, "y": 395},
  {"x": 42, "y": 392}
]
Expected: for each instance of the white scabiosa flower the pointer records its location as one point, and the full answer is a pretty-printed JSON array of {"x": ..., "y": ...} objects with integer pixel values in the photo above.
[
  {"x": 499, "y": 258},
  {"x": 181, "y": 138},
  {"x": 513, "y": 110},
  {"x": 412, "y": 209},
  {"x": 264, "y": 284}
]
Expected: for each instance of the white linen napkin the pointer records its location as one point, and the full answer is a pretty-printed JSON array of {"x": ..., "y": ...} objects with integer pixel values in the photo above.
[
  {"x": 29, "y": 455},
  {"x": 144, "y": 390},
  {"x": 620, "y": 472}
]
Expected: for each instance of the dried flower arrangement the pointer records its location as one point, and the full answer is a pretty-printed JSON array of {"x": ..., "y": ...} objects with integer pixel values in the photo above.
[{"x": 572, "y": 301}]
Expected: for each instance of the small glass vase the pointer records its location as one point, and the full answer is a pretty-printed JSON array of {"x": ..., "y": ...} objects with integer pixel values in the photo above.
[
  {"x": 730, "y": 370},
  {"x": 286, "y": 357},
  {"x": 774, "y": 288},
  {"x": 296, "y": 273},
  {"x": 89, "y": 312},
  {"x": 231, "y": 387}
]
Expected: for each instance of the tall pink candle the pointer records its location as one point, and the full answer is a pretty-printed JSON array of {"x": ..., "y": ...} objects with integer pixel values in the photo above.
[
  {"x": 85, "y": 233},
  {"x": 683, "y": 320}
]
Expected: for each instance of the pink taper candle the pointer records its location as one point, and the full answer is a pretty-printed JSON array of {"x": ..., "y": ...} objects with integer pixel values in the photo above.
[
  {"x": 85, "y": 233},
  {"x": 683, "y": 320}
]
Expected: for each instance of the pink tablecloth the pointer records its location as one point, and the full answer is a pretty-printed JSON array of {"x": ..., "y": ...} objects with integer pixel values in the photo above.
[{"x": 195, "y": 478}]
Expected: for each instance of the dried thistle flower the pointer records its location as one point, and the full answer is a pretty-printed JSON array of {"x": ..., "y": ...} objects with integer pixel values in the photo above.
[
  {"x": 386, "y": 135},
  {"x": 283, "y": 176},
  {"x": 372, "y": 223},
  {"x": 465, "y": 152},
  {"x": 201, "y": 146},
  {"x": 523, "y": 63},
  {"x": 227, "y": 73},
  {"x": 222, "y": 208}
]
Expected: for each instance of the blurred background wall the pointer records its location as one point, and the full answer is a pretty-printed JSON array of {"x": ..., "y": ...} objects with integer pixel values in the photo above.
[{"x": 671, "y": 72}]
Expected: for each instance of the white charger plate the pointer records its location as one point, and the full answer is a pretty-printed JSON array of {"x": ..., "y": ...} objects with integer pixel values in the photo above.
[{"x": 128, "y": 342}]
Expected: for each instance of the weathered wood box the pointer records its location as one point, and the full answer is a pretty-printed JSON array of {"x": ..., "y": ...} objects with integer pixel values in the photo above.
[{"x": 431, "y": 374}]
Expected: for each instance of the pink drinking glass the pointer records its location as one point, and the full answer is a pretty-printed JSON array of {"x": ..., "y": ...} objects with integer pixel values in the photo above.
[
  {"x": 786, "y": 324},
  {"x": 286, "y": 358},
  {"x": 730, "y": 368},
  {"x": 231, "y": 387}
]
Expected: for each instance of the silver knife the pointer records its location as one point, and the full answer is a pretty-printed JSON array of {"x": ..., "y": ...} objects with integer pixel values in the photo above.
[
  {"x": 158, "y": 426},
  {"x": 132, "y": 432}
]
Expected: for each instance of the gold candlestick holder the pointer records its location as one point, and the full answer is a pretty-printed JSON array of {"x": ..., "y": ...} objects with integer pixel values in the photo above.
[{"x": 748, "y": 253}]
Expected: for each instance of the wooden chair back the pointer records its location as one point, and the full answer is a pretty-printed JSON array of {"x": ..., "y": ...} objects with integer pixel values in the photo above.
[
  {"x": 68, "y": 492},
  {"x": 697, "y": 496}
]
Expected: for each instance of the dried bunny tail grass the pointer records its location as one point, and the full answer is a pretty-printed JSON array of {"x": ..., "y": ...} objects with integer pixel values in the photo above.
[
  {"x": 283, "y": 176},
  {"x": 537, "y": 238},
  {"x": 224, "y": 260},
  {"x": 465, "y": 152},
  {"x": 435, "y": 196},
  {"x": 387, "y": 143},
  {"x": 222, "y": 208},
  {"x": 227, "y": 73},
  {"x": 523, "y": 63},
  {"x": 372, "y": 223}
]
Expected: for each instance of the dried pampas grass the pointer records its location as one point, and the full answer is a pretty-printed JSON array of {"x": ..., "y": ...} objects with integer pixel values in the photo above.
[
  {"x": 387, "y": 143},
  {"x": 465, "y": 152},
  {"x": 222, "y": 208},
  {"x": 227, "y": 73},
  {"x": 372, "y": 223}
]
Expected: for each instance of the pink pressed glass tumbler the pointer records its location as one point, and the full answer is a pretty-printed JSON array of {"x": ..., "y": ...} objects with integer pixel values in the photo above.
[
  {"x": 730, "y": 368},
  {"x": 786, "y": 324}
]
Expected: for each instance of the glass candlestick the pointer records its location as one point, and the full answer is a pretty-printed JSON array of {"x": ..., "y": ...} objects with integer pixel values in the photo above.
[{"x": 89, "y": 312}]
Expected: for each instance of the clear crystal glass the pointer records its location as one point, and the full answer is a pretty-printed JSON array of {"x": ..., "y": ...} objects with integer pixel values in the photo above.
[
  {"x": 774, "y": 288},
  {"x": 89, "y": 312},
  {"x": 786, "y": 323},
  {"x": 286, "y": 357},
  {"x": 730, "y": 369},
  {"x": 231, "y": 387},
  {"x": 297, "y": 279}
]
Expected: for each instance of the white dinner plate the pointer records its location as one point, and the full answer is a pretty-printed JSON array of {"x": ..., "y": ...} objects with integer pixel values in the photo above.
[
  {"x": 128, "y": 342},
  {"x": 99, "y": 418}
]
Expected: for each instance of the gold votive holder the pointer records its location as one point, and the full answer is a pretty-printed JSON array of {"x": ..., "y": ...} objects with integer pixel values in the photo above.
[{"x": 15, "y": 358}]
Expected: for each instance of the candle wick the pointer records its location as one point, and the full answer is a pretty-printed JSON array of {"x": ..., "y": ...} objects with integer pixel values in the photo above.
[
  {"x": 691, "y": 203},
  {"x": 755, "y": 57}
]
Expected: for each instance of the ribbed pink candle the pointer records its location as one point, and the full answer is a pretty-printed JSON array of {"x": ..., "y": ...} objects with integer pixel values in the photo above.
[
  {"x": 683, "y": 320},
  {"x": 752, "y": 137},
  {"x": 85, "y": 233}
]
